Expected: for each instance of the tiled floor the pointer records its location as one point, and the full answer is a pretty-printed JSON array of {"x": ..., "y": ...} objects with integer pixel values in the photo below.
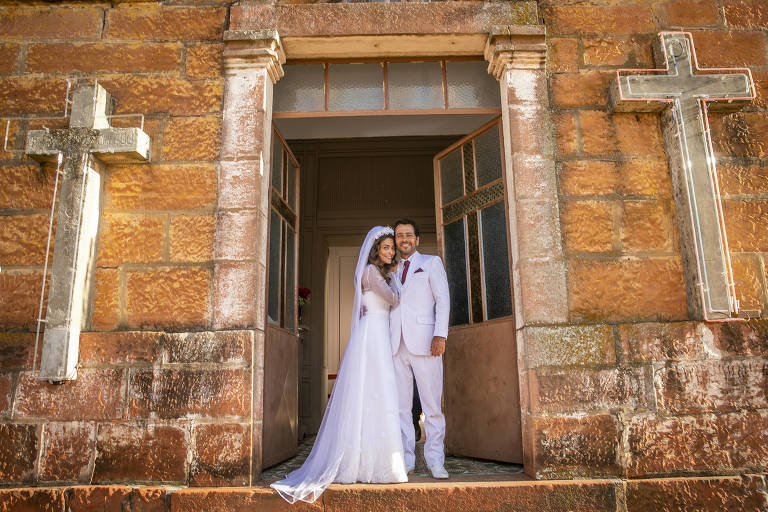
[{"x": 454, "y": 465}]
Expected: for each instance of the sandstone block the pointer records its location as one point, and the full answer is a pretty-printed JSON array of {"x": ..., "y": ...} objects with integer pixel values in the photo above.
[
  {"x": 647, "y": 226},
  {"x": 34, "y": 22},
  {"x": 235, "y": 286},
  {"x": 192, "y": 238},
  {"x": 656, "y": 342},
  {"x": 742, "y": 338},
  {"x": 95, "y": 395},
  {"x": 186, "y": 393},
  {"x": 32, "y": 500},
  {"x": 639, "y": 135},
  {"x": 688, "y": 13},
  {"x": 20, "y": 299},
  {"x": 574, "y": 345},
  {"x": 26, "y": 187},
  {"x": 169, "y": 23},
  {"x": 67, "y": 452},
  {"x": 740, "y": 134},
  {"x": 576, "y": 446},
  {"x": 583, "y": 89},
  {"x": 534, "y": 177},
  {"x": 743, "y": 179},
  {"x": 16, "y": 350},
  {"x": 730, "y": 48},
  {"x": 746, "y": 13},
  {"x": 106, "y": 305},
  {"x": 749, "y": 287},
  {"x": 645, "y": 177},
  {"x": 23, "y": 95},
  {"x": 538, "y": 229},
  {"x": 745, "y": 223},
  {"x": 97, "y": 498},
  {"x": 101, "y": 57},
  {"x": 239, "y": 184},
  {"x": 130, "y": 239},
  {"x": 712, "y": 386},
  {"x": 253, "y": 498},
  {"x": 588, "y": 226},
  {"x": 164, "y": 94},
  {"x": 599, "y": 19},
  {"x": 23, "y": 239},
  {"x": 173, "y": 297},
  {"x": 150, "y": 499},
  {"x": 161, "y": 187},
  {"x": 123, "y": 347},
  {"x": 9, "y": 57},
  {"x": 221, "y": 455},
  {"x": 640, "y": 289},
  {"x": 543, "y": 288},
  {"x": 563, "y": 54},
  {"x": 578, "y": 390},
  {"x": 617, "y": 51},
  {"x": 208, "y": 347},
  {"x": 730, "y": 493},
  {"x": 5, "y": 395},
  {"x": 140, "y": 453},
  {"x": 18, "y": 452},
  {"x": 597, "y": 133},
  {"x": 566, "y": 133},
  {"x": 192, "y": 138},
  {"x": 205, "y": 61},
  {"x": 588, "y": 177}
]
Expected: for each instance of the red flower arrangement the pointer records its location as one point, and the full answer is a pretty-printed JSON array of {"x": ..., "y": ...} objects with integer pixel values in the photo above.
[{"x": 304, "y": 295}]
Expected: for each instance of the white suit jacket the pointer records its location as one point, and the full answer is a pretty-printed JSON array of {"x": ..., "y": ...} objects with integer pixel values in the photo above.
[{"x": 424, "y": 305}]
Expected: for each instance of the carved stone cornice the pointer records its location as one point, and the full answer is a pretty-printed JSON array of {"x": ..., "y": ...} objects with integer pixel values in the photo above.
[
  {"x": 246, "y": 49},
  {"x": 520, "y": 47}
]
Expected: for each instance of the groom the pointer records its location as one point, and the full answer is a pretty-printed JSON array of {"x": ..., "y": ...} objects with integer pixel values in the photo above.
[{"x": 419, "y": 328}]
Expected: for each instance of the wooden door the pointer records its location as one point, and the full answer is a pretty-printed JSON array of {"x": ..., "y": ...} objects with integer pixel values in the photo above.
[
  {"x": 482, "y": 398},
  {"x": 281, "y": 340}
]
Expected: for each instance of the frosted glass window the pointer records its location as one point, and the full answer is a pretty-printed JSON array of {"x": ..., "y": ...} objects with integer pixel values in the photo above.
[
  {"x": 302, "y": 89},
  {"x": 487, "y": 157},
  {"x": 456, "y": 268},
  {"x": 470, "y": 85},
  {"x": 275, "y": 253},
  {"x": 290, "y": 280},
  {"x": 277, "y": 164},
  {"x": 451, "y": 176},
  {"x": 356, "y": 86},
  {"x": 498, "y": 296},
  {"x": 415, "y": 85}
]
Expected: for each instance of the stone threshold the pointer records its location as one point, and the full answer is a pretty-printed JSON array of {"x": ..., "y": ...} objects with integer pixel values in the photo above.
[{"x": 463, "y": 493}]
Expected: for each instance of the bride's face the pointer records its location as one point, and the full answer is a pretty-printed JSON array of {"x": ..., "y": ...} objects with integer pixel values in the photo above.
[{"x": 387, "y": 251}]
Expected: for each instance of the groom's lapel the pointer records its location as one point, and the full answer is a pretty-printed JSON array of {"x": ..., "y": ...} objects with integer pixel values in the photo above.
[{"x": 412, "y": 268}]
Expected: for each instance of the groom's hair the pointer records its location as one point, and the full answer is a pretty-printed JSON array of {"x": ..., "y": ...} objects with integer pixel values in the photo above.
[{"x": 408, "y": 222}]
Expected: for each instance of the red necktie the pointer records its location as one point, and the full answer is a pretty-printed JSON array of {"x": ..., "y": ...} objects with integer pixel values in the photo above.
[{"x": 405, "y": 271}]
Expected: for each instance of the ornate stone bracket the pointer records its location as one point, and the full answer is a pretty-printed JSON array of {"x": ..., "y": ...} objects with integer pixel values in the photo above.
[
  {"x": 521, "y": 47},
  {"x": 254, "y": 48}
]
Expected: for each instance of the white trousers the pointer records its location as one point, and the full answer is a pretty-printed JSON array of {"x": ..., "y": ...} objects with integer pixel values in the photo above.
[{"x": 428, "y": 371}]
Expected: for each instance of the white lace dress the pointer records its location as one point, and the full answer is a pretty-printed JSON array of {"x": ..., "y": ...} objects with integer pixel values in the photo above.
[{"x": 359, "y": 439}]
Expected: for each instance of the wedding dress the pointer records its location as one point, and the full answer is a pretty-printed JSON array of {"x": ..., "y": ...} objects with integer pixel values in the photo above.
[{"x": 359, "y": 438}]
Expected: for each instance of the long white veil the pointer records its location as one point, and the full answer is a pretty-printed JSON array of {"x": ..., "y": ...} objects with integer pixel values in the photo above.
[{"x": 343, "y": 416}]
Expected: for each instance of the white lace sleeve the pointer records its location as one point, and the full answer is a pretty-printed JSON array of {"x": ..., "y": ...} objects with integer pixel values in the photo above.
[{"x": 373, "y": 281}]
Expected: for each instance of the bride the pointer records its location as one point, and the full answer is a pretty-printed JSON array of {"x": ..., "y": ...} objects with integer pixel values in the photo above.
[{"x": 359, "y": 439}]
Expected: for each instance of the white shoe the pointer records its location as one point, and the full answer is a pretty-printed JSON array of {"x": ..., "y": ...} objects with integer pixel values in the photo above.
[{"x": 438, "y": 471}]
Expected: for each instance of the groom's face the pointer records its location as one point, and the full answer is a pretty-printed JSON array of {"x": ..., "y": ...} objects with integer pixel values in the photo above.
[{"x": 406, "y": 240}]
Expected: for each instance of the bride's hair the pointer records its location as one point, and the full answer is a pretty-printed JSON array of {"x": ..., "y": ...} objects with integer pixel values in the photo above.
[{"x": 373, "y": 256}]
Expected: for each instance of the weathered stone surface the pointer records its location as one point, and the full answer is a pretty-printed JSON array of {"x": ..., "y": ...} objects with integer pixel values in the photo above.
[
  {"x": 239, "y": 184},
  {"x": 67, "y": 452},
  {"x": 729, "y": 493},
  {"x": 161, "y": 187},
  {"x": 192, "y": 138},
  {"x": 566, "y": 133},
  {"x": 35, "y": 22},
  {"x": 253, "y": 498},
  {"x": 736, "y": 179},
  {"x": 106, "y": 304},
  {"x": 597, "y": 134},
  {"x": 25, "y": 187},
  {"x": 645, "y": 177},
  {"x": 748, "y": 282},
  {"x": 5, "y": 395},
  {"x": 16, "y": 350},
  {"x": 583, "y": 89},
  {"x": 169, "y": 23},
  {"x": 23, "y": 239},
  {"x": 95, "y": 395},
  {"x": 190, "y": 393},
  {"x": 714, "y": 386},
  {"x": 623, "y": 290},
  {"x": 588, "y": 177},
  {"x": 18, "y": 453},
  {"x": 745, "y": 223},
  {"x": 192, "y": 238},
  {"x": 566, "y": 447},
  {"x": 588, "y": 226},
  {"x": 150, "y": 499},
  {"x": 598, "y": 19},
  {"x": 164, "y": 94},
  {"x": 651, "y": 342},
  {"x": 9, "y": 57},
  {"x": 130, "y": 239},
  {"x": 96, "y": 57},
  {"x": 221, "y": 455},
  {"x": 20, "y": 299},
  {"x": 647, "y": 226},
  {"x": 562, "y": 54},
  {"x": 740, "y": 134},
  {"x": 712, "y": 442},
  {"x": 234, "y": 288},
  {"x": 731, "y": 48},
  {"x": 554, "y": 390},
  {"x": 140, "y": 453},
  {"x": 617, "y": 51},
  {"x": 32, "y": 500},
  {"x": 23, "y": 95},
  {"x": 742, "y": 338},
  {"x": 208, "y": 347},
  {"x": 173, "y": 298},
  {"x": 574, "y": 345},
  {"x": 691, "y": 13},
  {"x": 746, "y": 13},
  {"x": 544, "y": 292},
  {"x": 204, "y": 61},
  {"x": 538, "y": 228},
  {"x": 98, "y": 498},
  {"x": 639, "y": 135},
  {"x": 119, "y": 347}
]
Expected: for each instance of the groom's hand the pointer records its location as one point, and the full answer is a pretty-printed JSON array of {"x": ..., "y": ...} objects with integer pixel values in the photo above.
[{"x": 438, "y": 346}]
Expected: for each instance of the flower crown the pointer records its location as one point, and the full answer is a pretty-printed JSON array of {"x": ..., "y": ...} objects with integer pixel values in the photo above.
[{"x": 386, "y": 230}]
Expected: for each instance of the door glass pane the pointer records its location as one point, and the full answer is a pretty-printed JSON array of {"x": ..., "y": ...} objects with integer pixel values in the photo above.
[
  {"x": 273, "y": 293},
  {"x": 290, "y": 280},
  {"x": 488, "y": 157},
  {"x": 356, "y": 86},
  {"x": 456, "y": 268},
  {"x": 498, "y": 296},
  {"x": 470, "y": 85},
  {"x": 302, "y": 89},
  {"x": 277, "y": 163},
  {"x": 415, "y": 85},
  {"x": 291, "y": 186},
  {"x": 451, "y": 176}
]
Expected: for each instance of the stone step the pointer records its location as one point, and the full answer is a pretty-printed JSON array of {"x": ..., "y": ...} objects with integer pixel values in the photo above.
[{"x": 465, "y": 493}]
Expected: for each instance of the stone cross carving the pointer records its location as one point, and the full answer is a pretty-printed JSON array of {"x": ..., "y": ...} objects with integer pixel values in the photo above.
[
  {"x": 82, "y": 149},
  {"x": 711, "y": 292}
]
